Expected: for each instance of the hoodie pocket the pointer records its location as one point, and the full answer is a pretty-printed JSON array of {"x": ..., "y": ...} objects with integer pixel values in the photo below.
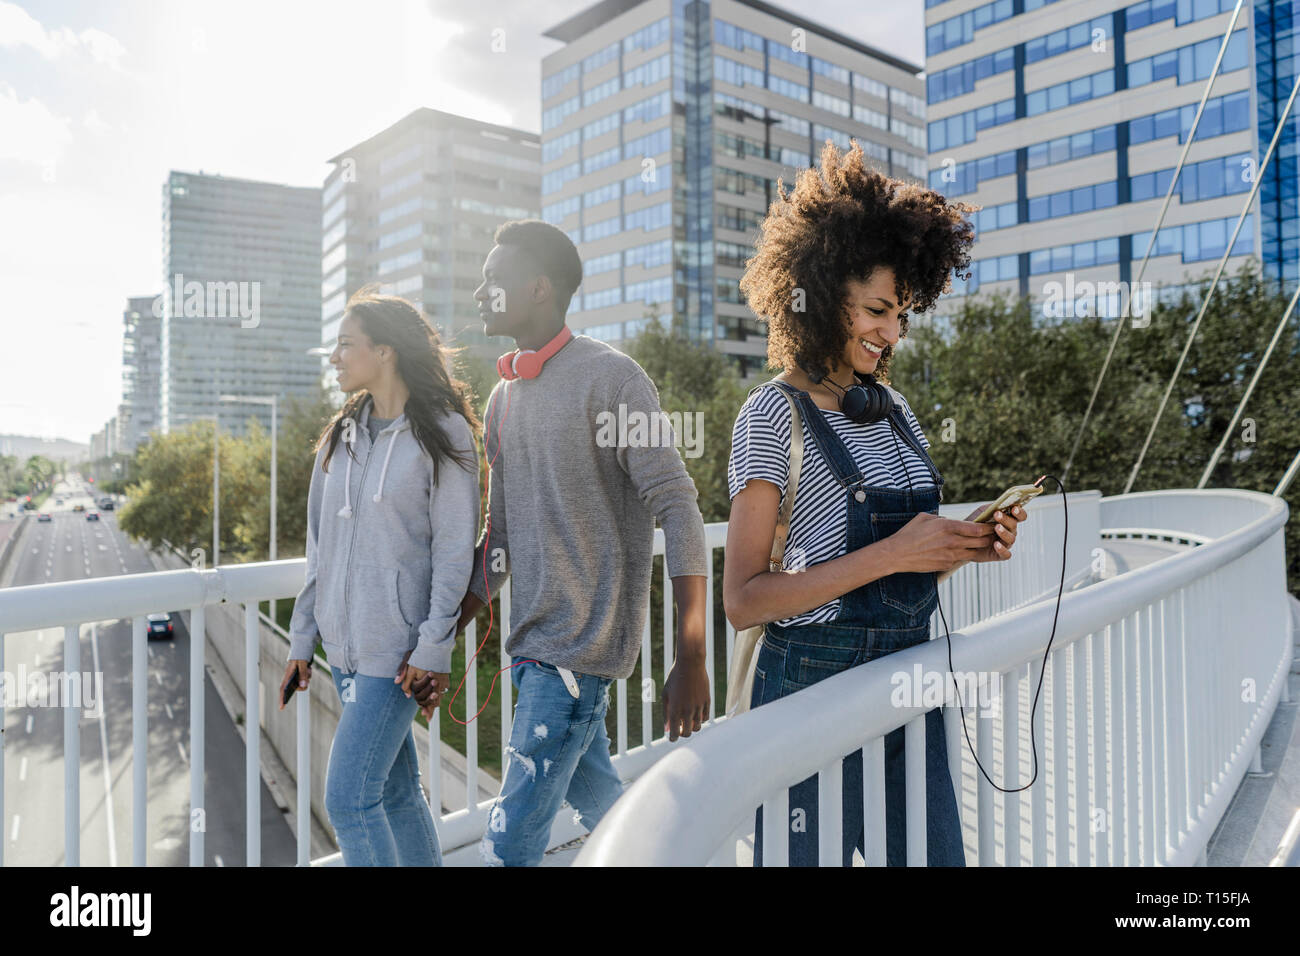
[{"x": 380, "y": 610}]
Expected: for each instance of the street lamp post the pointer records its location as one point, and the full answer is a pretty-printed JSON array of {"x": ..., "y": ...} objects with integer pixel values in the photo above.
[{"x": 216, "y": 485}]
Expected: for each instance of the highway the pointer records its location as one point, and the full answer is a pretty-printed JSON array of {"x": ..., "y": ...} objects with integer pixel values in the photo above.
[{"x": 71, "y": 548}]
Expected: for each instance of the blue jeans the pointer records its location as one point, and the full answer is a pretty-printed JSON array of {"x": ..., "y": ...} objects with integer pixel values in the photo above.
[
  {"x": 372, "y": 786},
  {"x": 558, "y": 751},
  {"x": 786, "y": 666}
]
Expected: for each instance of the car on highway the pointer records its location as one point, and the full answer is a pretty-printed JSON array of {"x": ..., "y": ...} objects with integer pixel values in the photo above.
[
  {"x": 160, "y": 625},
  {"x": 44, "y": 516},
  {"x": 78, "y": 507},
  {"x": 58, "y": 501},
  {"x": 92, "y": 515},
  {"x": 106, "y": 504}
]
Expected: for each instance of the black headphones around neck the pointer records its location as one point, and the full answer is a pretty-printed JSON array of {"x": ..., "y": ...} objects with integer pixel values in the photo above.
[{"x": 865, "y": 402}]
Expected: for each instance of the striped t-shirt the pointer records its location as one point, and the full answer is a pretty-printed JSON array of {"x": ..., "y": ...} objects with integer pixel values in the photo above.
[{"x": 760, "y": 448}]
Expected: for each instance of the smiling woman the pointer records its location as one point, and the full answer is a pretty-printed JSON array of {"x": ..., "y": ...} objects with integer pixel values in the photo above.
[
  {"x": 392, "y": 516},
  {"x": 839, "y": 264}
]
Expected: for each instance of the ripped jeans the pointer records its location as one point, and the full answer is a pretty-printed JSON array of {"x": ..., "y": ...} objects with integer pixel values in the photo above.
[{"x": 558, "y": 751}]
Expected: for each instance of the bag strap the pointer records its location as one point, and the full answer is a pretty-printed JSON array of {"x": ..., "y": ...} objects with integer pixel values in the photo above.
[{"x": 787, "y": 500}]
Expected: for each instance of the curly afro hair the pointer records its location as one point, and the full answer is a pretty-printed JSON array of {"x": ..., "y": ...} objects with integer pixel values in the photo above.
[{"x": 841, "y": 225}]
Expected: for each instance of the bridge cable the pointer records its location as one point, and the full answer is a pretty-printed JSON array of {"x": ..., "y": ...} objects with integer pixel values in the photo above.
[
  {"x": 1160, "y": 219},
  {"x": 1259, "y": 369},
  {"x": 1187, "y": 347}
]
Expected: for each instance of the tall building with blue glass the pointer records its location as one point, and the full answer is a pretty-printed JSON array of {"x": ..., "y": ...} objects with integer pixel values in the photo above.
[
  {"x": 1064, "y": 120},
  {"x": 665, "y": 126}
]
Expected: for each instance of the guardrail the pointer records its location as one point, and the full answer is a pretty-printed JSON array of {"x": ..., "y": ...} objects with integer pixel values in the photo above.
[
  {"x": 1158, "y": 688},
  {"x": 975, "y": 593}
]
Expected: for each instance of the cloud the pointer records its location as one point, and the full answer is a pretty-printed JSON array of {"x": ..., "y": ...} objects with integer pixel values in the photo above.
[
  {"x": 32, "y": 133},
  {"x": 18, "y": 28}
]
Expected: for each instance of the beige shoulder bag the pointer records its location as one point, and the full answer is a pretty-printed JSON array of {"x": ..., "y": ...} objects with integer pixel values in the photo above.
[{"x": 744, "y": 655}]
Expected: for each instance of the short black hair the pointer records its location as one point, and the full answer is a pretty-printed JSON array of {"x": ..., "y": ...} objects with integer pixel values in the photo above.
[{"x": 550, "y": 251}]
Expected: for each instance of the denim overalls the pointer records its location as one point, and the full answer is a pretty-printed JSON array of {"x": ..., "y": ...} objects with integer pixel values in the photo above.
[{"x": 883, "y": 616}]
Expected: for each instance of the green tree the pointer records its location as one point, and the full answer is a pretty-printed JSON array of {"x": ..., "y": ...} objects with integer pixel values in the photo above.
[
  {"x": 1002, "y": 391},
  {"x": 172, "y": 500}
]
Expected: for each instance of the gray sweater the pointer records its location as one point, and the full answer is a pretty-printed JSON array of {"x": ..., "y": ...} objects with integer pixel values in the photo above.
[
  {"x": 388, "y": 551},
  {"x": 572, "y": 514}
]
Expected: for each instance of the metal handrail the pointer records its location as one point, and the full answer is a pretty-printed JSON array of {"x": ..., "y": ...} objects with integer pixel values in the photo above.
[{"x": 682, "y": 809}]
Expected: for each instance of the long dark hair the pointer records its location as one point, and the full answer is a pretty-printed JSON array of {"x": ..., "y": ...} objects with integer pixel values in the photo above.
[{"x": 422, "y": 364}]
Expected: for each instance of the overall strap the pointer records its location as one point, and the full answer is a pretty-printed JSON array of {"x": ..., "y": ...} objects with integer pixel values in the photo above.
[
  {"x": 777, "y": 557},
  {"x": 841, "y": 462},
  {"x": 903, "y": 427}
]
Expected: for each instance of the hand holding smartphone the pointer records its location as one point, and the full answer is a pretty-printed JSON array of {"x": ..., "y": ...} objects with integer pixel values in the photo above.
[
  {"x": 292, "y": 686},
  {"x": 1013, "y": 496}
]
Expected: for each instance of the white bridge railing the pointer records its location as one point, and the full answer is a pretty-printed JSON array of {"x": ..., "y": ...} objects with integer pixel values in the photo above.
[
  {"x": 1180, "y": 699},
  {"x": 1158, "y": 688}
]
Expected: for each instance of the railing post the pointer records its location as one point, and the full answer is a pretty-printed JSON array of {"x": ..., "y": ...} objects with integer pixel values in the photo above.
[
  {"x": 873, "y": 802},
  {"x": 4, "y": 679},
  {"x": 830, "y": 814},
  {"x": 776, "y": 829},
  {"x": 71, "y": 746},
  {"x": 304, "y": 775},
  {"x": 1038, "y": 792},
  {"x": 983, "y": 790},
  {"x": 198, "y": 688},
  {"x": 1010, "y": 772},
  {"x": 252, "y": 739},
  {"x": 471, "y": 706},
  {"x": 914, "y": 788},
  {"x": 1098, "y": 756},
  {"x": 139, "y": 741},
  {"x": 1060, "y": 757}
]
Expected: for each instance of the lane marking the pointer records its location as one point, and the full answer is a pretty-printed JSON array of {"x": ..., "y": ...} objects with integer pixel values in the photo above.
[
  {"x": 217, "y": 858},
  {"x": 13, "y": 837},
  {"x": 168, "y": 707},
  {"x": 22, "y": 770},
  {"x": 29, "y": 723},
  {"x": 181, "y": 747}
]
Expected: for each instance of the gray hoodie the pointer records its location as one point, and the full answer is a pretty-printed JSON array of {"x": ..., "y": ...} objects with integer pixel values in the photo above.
[{"x": 389, "y": 554}]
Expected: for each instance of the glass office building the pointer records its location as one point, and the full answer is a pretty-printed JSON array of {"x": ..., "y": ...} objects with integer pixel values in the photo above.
[
  {"x": 1065, "y": 119},
  {"x": 665, "y": 126},
  {"x": 140, "y": 410},
  {"x": 414, "y": 208},
  {"x": 241, "y": 299}
]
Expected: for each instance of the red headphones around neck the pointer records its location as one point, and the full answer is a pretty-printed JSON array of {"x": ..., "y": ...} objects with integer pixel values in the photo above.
[{"x": 527, "y": 363}]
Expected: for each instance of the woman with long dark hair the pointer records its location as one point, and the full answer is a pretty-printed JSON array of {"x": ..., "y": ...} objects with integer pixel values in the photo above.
[
  {"x": 392, "y": 517},
  {"x": 840, "y": 263}
]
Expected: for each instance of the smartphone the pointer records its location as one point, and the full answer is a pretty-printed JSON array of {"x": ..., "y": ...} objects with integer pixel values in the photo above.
[
  {"x": 1015, "y": 495},
  {"x": 290, "y": 688}
]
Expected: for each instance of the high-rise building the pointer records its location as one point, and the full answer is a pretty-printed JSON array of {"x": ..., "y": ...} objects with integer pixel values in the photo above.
[
  {"x": 1065, "y": 120},
  {"x": 241, "y": 297},
  {"x": 139, "y": 413},
  {"x": 665, "y": 125},
  {"x": 414, "y": 208}
]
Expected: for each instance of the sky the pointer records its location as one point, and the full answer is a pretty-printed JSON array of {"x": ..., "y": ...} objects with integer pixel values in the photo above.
[{"x": 99, "y": 102}]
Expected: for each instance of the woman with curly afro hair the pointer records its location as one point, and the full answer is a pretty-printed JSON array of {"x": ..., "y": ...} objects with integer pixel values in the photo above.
[{"x": 839, "y": 264}]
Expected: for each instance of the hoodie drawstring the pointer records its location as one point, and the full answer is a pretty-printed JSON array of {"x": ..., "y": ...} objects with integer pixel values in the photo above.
[
  {"x": 379, "y": 495},
  {"x": 346, "y": 510}
]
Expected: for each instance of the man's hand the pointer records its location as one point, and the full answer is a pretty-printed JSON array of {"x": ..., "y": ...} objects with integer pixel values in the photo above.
[
  {"x": 686, "y": 698},
  {"x": 428, "y": 690},
  {"x": 470, "y": 605}
]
